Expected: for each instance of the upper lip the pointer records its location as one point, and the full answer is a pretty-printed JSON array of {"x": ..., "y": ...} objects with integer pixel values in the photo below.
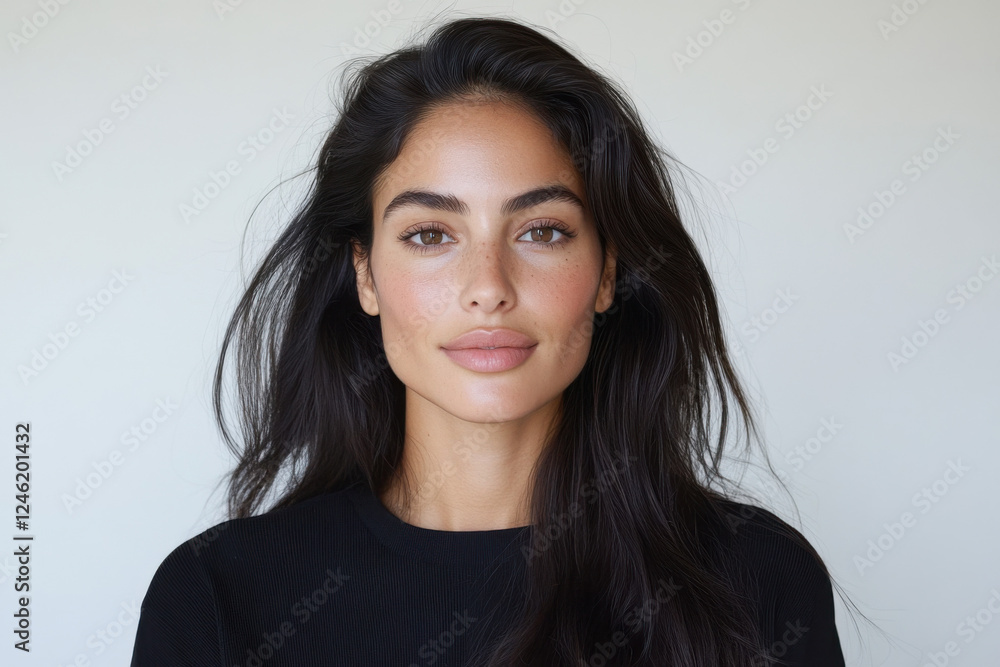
[{"x": 482, "y": 338}]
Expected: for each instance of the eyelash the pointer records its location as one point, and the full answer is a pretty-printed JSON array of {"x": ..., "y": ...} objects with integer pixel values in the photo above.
[{"x": 541, "y": 224}]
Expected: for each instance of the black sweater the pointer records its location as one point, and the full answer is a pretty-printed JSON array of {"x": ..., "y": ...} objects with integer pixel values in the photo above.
[{"x": 339, "y": 580}]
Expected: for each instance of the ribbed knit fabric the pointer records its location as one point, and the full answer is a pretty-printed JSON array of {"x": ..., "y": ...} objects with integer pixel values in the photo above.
[{"x": 339, "y": 580}]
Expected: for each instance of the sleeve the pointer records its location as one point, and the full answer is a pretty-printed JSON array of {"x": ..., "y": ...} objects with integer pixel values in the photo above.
[
  {"x": 178, "y": 620},
  {"x": 805, "y": 629}
]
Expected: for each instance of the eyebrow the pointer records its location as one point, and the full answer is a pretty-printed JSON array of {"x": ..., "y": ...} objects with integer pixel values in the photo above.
[{"x": 452, "y": 204}]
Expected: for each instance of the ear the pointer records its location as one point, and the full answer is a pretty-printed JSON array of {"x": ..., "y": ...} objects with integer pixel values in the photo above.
[
  {"x": 606, "y": 290},
  {"x": 366, "y": 287}
]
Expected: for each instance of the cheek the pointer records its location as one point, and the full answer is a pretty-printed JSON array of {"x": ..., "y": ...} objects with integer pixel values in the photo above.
[
  {"x": 411, "y": 305},
  {"x": 564, "y": 307}
]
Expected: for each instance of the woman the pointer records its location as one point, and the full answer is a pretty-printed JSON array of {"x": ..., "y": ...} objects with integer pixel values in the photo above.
[{"x": 475, "y": 375}]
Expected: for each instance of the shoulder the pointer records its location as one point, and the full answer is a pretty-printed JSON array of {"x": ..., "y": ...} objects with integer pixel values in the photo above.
[
  {"x": 761, "y": 533},
  {"x": 788, "y": 581},
  {"x": 228, "y": 547},
  {"x": 765, "y": 540},
  {"x": 201, "y": 580},
  {"x": 306, "y": 522},
  {"x": 178, "y": 617},
  {"x": 785, "y": 566}
]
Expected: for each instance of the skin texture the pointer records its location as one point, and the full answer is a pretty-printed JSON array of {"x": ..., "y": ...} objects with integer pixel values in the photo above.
[{"x": 472, "y": 438}]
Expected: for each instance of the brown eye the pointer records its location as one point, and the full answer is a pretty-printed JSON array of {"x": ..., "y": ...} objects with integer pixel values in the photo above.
[
  {"x": 426, "y": 238},
  {"x": 543, "y": 234},
  {"x": 430, "y": 237}
]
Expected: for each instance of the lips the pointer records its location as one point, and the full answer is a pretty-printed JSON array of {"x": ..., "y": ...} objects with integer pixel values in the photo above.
[
  {"x": 490, "y": 361},
  {"x": 490, "y": 338},
  {"x": 490, "y": 351}
]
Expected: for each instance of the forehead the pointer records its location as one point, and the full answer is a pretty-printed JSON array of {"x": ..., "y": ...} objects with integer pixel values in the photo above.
[{"x": 486, "y": 149}]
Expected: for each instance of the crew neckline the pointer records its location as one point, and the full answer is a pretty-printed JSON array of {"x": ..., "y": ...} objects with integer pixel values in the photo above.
[{"x": 467, "y": 549}]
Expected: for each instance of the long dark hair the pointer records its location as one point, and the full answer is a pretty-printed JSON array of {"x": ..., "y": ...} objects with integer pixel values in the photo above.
[{"x": 320, "y": 409}]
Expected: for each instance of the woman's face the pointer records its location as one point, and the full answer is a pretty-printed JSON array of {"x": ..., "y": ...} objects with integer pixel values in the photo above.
[{"x": 465, "y": 255}]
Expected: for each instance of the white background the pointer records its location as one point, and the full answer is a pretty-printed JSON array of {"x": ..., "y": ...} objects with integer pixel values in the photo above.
[{"x": 853, "y": 298}]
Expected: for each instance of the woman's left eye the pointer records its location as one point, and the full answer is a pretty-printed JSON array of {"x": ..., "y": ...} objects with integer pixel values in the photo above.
[{"x": 542, "y": 233}]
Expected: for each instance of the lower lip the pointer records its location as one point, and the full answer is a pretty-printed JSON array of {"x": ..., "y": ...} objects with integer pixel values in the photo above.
[{"x": 490, "y": 361}]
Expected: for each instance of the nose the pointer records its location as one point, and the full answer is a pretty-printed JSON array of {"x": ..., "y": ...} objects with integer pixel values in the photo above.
[{"x": 488, "y": 277}]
